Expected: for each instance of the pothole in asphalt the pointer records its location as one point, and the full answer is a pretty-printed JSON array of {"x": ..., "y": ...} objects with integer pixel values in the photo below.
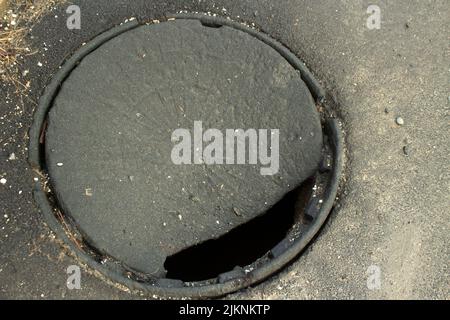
[
  {"x": 242, "y": 245},
  {"x": 185, "y": 158}
]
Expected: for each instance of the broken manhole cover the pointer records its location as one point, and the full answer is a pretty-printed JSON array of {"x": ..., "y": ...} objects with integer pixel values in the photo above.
[{"x": 185, "y": 158}]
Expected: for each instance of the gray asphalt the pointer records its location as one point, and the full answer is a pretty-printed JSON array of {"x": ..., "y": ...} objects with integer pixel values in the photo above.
[{"x": 393, "y": 214}]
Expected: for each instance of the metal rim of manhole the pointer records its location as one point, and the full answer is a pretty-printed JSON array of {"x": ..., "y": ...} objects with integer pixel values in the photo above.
[{"x": 318, "y": 203}]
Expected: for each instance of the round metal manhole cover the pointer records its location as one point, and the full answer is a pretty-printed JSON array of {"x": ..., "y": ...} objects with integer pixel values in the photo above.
[{"x": 185, "y": 158}]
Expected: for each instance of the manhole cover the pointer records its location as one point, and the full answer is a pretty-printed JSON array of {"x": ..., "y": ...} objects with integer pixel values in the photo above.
[{"x": 185, "y": 158}]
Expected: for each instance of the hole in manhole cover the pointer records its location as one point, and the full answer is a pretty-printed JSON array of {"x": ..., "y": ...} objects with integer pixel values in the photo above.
[{"x": 185, "y": 158}]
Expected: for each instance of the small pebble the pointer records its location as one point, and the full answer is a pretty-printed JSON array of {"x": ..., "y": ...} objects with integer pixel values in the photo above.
[
  {"x": 3, "y": 181},
  {"x": 406, "y": 150},
  {"x": 386, "y": 110},
  {"x": 194, "y": 199},
  {"x": 59, "y": 164},
  {"x": 400, "y": 121},
  {"x": 12, "y": 157}
]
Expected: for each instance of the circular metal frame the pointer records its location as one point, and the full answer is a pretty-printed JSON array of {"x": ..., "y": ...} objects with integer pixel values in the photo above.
[{"x": 236, "y": 279}]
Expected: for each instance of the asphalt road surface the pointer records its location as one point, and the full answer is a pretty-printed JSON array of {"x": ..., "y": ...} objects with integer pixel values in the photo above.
[{"x": 393, "y": 217}]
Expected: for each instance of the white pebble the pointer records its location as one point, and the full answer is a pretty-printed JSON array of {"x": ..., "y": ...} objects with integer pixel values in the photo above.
[
  {"x": 400, "y": 121},
  {"x": 60, "y": 164},
  {"x": 3, "y": 181}
]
